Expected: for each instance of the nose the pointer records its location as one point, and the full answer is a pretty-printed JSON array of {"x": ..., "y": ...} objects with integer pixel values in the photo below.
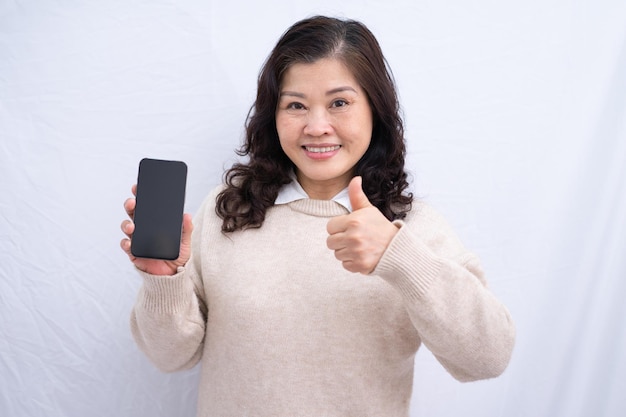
[{"x": 317, "y": 123}]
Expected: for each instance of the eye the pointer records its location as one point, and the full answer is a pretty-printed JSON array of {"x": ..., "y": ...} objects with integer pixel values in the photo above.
[
  {"x": 295, "y": 107},
  {"x": 339, "y": 103}
]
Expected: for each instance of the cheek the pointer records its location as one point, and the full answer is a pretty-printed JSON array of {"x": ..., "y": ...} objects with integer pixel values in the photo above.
[
  {"x": 285, "y": 126},
  {"x": 358, "y": 131},
  {"x": 287, "y": 136}
]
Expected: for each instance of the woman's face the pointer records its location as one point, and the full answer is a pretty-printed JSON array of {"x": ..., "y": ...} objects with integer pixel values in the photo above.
[{"x": 324, "y": 124}]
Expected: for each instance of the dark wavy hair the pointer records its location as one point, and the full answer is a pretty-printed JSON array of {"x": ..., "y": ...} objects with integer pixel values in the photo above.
[{"x": 252, "y": 187}]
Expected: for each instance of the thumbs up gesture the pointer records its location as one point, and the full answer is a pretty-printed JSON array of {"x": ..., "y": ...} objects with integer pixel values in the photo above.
[{"x": 360, "y": 238}]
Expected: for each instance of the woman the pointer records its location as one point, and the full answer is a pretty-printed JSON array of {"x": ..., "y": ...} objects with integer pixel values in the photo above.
[{"x": 265, "y": 290}]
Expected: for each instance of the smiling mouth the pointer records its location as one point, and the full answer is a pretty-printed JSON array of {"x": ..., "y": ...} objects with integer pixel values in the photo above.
[{"x": 322, "y": 149}]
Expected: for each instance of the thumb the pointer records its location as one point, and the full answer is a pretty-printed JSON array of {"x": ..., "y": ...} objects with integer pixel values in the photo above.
[{"x": 358, "y": 199}]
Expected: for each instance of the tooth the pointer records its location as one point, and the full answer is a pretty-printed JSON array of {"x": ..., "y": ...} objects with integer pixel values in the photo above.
[{"x": 322, "y": 149}]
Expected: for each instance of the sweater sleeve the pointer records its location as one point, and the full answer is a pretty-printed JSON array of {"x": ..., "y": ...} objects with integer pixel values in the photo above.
[
  {"x": 458, "y": 319},
  {"x": 168, "y": 320}
]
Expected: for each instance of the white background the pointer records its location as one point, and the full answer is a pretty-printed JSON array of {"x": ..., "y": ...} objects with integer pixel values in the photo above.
[{"x": 515, "y": 116}]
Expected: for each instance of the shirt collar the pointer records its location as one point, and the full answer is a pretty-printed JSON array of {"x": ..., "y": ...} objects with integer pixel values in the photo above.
[{"x": 294, "y": 191}]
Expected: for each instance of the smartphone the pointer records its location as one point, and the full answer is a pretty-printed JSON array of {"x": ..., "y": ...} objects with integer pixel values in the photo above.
[{"x": 160, "y": 202}]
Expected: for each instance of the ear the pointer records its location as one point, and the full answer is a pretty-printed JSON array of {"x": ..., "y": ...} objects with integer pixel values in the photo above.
[{"x": 358, "y": 199}]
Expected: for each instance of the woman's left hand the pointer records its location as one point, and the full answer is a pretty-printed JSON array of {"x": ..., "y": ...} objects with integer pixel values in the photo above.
[{"x": 360, "y": 238}]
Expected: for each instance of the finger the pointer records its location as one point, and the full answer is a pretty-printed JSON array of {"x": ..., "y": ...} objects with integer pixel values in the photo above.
[
  {"x": 129, "y": 206},
  {"x": 133, "y": 189},
  {"x": 336, "y": 224},
  {"x": 335, "y": 242},
  {"x": 350, "y": 266},
  {"x": 358, "y": 199},
  {"x": 356, "y": 267},
  {"x": 125, "y": 245},
  {"x": 128, "y": 227},
  {"x": 343, "y": 255}
]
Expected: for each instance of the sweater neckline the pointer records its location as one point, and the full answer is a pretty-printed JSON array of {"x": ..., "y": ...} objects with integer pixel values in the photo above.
[{"x": 319, "y": 208}]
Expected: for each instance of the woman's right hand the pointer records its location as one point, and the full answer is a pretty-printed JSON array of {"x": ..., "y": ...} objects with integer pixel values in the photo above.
[{"x": 155, "y": 266}]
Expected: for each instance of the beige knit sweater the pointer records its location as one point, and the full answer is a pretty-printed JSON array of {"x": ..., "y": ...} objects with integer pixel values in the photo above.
[{"x": 282, "y": 329}]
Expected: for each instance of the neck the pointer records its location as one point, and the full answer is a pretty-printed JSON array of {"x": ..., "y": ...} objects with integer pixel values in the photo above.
[{"x": 323, "y": 190}]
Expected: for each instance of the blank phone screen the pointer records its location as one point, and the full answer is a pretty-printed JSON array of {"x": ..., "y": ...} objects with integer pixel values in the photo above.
[{"x": 159, "y": 210}]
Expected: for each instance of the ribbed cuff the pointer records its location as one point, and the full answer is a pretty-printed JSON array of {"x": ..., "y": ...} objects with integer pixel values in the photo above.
[
  {"x": 408, "y": 264},
  {"x": 166, "y": 294}
]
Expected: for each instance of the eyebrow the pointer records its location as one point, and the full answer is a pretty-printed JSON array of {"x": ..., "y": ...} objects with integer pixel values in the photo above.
[{"x": 328, "y": 93}]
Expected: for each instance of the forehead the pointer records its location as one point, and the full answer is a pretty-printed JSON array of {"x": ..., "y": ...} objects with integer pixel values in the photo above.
[{"x": 327, "y": 71}]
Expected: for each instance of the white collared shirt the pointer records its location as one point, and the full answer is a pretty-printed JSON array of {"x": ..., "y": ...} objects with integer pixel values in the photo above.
[{"x": 294, "y": 191}]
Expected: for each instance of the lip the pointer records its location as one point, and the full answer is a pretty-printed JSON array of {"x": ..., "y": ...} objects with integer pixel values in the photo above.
[{"x": 321, "y": 151}]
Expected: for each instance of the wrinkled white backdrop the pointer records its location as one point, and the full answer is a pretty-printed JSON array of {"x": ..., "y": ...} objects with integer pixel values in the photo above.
[{"x": 515, "y": 115}]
